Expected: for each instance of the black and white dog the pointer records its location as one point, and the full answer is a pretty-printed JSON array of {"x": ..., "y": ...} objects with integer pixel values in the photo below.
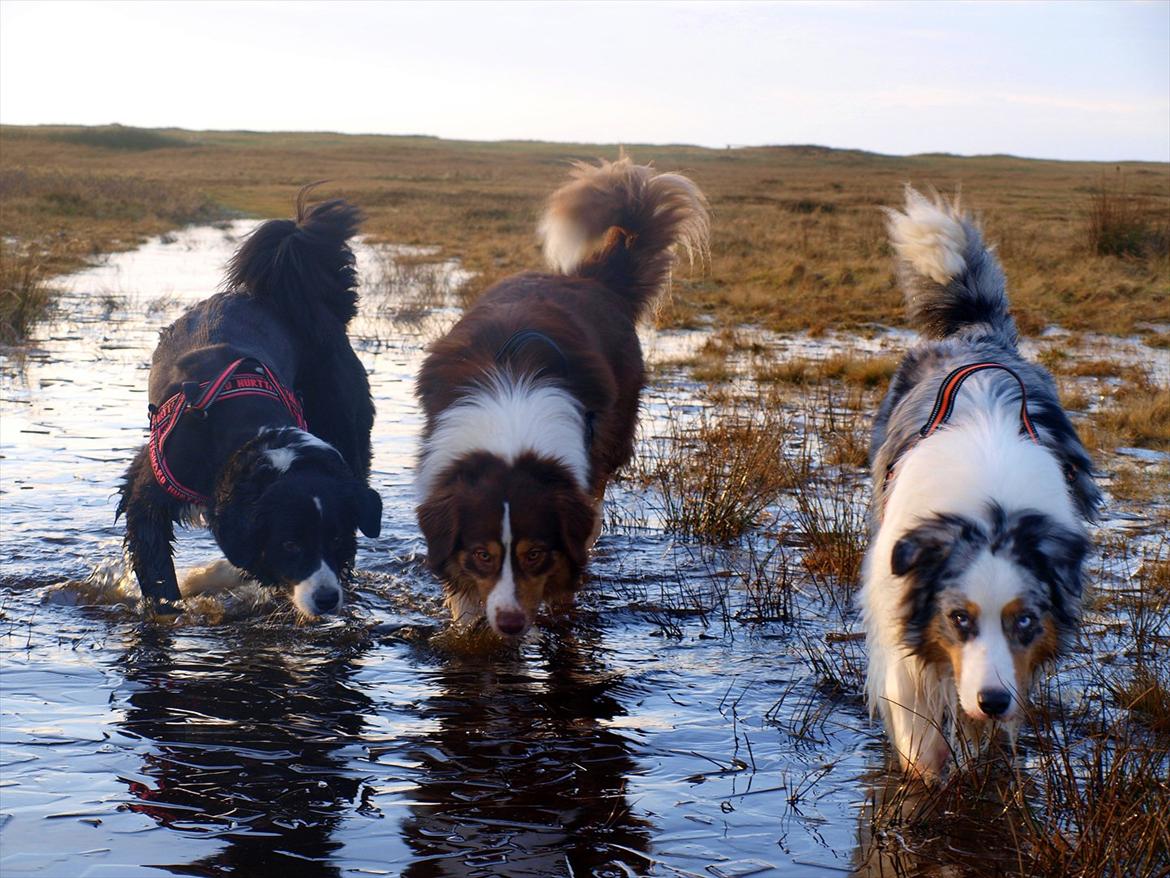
[
  {"x": 260, "y": 420},
  {"x": 981, "y": 491}
]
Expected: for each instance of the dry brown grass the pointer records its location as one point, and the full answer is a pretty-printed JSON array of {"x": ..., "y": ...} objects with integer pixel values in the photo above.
[
  {"x": 1121, "y": 223},
  {"x": 868, "y": 371},
  {"x": 799, "y": 240},
  {"x": 1060, "y": 362},
  {"x": 1136, "y": 414},
  {"x": 718, "y": 473},
  {"x": 25, "y": 295}
]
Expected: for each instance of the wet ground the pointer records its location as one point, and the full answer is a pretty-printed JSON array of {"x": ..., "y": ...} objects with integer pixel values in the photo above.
[{"x": 666, "y": 730}]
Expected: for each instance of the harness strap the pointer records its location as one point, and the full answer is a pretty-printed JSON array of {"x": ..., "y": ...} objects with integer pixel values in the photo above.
[
  {"x": 516, "y": 342},
  {"x": 944, "y": 403},
  {"x": 199, "y": 397},
  {"x": 944, "y": 406}
]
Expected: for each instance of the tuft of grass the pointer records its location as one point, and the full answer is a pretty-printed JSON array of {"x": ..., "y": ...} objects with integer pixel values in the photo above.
[
  {"x": 1101, "y": 810},
  {"x": 832, "y": 526},
  {"x": 1118, "y": 223},
  {"x": 1137, "y": 415},
  {"x": 718, "y": 474},
  {"x": 768, "y": 582},
  {"x": 25, "y": 296},
  {"x": 871, "y": 372}
]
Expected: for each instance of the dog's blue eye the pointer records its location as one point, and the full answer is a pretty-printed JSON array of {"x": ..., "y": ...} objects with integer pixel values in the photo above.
[
  {"x": 961, "y": 620},
  {"x": 1025, "y": 623}
]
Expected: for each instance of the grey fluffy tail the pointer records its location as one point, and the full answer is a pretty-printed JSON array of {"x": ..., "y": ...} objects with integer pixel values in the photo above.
[
  {"x": 619, "y": 223},
  {"x": 303, "y": 266},
  {"x": 951, "y": 279}
]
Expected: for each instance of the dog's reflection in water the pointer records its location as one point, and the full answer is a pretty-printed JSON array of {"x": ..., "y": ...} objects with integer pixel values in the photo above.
[
  {"x": 243, "y": 746},
  {"x": 521, "y": 775},
  {"x": 908, "y": 828},
  {"x": 260, "y": 747}
]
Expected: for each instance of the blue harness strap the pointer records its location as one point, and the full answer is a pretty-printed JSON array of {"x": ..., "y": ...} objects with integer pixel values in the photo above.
[{"x": 516, "y": 342}]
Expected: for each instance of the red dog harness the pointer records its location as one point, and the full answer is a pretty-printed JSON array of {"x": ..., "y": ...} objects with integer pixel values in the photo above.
[
  {"x": 193, "y": 397},
  {"x": 944, "y": 403},
  {"x": 944, "y": 406}
]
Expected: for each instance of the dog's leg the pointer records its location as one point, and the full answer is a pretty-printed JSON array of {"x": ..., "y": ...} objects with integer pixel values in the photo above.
[
  {"x": 599, "y": 515},
  {"x": 149, "y": 534},
  {"x": 914, "y": 717},
  {"x": 150, "y": 531}
]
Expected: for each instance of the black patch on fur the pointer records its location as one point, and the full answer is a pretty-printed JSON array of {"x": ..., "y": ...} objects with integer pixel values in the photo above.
[
  {"x": 1054, "y": 554},
  {"x": 932, "y": 555},
  {"x": 259, "y": 511}
]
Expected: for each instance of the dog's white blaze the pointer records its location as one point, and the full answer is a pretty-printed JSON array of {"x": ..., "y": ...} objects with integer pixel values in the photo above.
[
  {"x": 503, "y": 594},
  {"x": 323, "y": 580},
  {"x": 991, "y": 583},
  {"x": 285, "y": 456},
  {"x": 507, "y": 417},
  {"x": 929, "y": 237},
  {"x": 281, "y": 458}
]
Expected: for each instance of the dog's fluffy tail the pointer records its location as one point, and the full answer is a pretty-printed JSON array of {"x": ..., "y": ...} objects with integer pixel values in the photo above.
[
  {"x": 304, "y": 266},
  {"x": 951, "y": 279},
  {"x": 619, "y": 222}
]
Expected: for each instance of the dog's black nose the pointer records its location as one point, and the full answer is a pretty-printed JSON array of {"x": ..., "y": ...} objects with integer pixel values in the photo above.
[
  {"x": 326, "y": 600},
  {"x": 994, "y": 702},
  {"x": 510, "y": 622}
]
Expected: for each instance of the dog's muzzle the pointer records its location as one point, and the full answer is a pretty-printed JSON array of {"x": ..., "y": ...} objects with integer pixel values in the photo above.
[{"x": 320, "y": 594}]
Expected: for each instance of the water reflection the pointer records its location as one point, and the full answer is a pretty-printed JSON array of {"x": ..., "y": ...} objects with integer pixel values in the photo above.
[
  {"x": 521, "y": 775},
  {"x": 244, "y": 743},
  {"x": 907, "y": 830}
]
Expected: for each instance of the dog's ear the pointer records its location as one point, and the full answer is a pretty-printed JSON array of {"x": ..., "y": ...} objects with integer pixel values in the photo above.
[
  {"x": 438, "y": 518},
  {"x": 1054, "y": 554},
  {"x": 237, "y": 517},
  {"x": 369, "y": 506},
  {"x": 577, "y": 517},
  {"x": 926, "y": 548},
  {"x": 238, "y": 522}
]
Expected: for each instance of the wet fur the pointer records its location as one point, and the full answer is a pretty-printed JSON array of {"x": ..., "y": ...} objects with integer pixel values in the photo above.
[
  {"x": 609, "y": 234},
  {"x": 290, "y": 292},
  {"x": 974, "y": 513}
]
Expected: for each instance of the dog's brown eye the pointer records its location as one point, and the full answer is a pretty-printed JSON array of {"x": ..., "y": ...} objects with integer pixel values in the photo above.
[
  {"x": 482, "y": 555},
  {"x": 535, "y": 556},
  {"x": 961, "y": 620}
]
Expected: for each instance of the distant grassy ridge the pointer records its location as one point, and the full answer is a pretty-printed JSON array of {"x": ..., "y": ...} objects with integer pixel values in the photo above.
[{"x": 798, "y": 237}]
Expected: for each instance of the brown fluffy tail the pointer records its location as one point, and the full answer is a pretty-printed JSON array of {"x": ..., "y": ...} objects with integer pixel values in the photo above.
[{"x": 618, "y": 223}]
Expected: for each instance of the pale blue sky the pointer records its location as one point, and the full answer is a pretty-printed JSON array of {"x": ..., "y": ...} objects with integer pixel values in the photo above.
[{"x": 1060, "y": 80}]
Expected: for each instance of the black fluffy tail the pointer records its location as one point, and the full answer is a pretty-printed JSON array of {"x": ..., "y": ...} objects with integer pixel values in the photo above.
[
  {"x": 304, "y": 267},
  {"x": 619, "y": 223},
  {"x": 950, "y": 277}
]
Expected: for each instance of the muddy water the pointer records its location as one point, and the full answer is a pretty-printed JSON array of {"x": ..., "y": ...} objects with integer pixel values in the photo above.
[{"x": 660, "y": 732}]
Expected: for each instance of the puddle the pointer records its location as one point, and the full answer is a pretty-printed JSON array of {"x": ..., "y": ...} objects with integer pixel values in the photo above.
[{"x": 662, "y": 732}]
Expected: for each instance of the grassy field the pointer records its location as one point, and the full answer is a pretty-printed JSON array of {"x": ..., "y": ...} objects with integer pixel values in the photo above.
[{"x": 798, "y": 234}]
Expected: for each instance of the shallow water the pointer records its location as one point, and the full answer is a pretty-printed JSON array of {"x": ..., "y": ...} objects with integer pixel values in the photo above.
[{"x": 657, "y": 733}]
